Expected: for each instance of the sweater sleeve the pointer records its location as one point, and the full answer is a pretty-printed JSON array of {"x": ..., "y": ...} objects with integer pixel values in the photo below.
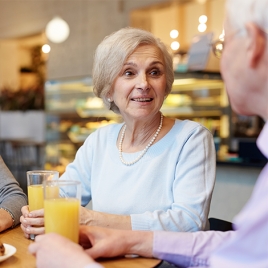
[
  {"x": 12, "y": 198},
  {"x": 192, "y": 189}
]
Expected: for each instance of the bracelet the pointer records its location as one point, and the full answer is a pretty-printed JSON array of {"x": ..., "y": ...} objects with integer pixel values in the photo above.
[{"x": 13, "y": 220}]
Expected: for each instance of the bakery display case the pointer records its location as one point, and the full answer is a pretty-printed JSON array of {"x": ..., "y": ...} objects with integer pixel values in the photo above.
[
  {"x": 202, "y": 99},
  {"x": 73, "y": 111}
]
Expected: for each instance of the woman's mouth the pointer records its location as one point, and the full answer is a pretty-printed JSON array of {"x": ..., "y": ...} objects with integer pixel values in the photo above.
[{"x": 142, "y": 99}]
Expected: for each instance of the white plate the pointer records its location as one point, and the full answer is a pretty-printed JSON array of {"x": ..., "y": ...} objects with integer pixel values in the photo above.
[{"x": 9, "y": 251}]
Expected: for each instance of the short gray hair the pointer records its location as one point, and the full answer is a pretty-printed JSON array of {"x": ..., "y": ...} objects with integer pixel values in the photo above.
[
  {"x": 240, "y": 12},
  {"x": 113, "y": 51}
]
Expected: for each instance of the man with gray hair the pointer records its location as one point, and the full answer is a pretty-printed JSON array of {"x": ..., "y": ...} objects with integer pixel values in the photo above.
[{"x": 244, "y": 67}]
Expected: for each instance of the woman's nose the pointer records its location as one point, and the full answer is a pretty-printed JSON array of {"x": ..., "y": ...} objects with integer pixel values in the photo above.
[{"x": 142, "y": 82}]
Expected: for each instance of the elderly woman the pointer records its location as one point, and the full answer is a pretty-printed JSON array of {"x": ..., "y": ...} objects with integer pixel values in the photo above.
[
  {"x": 149, "y": 172},
  {"x": 12, "y": 198}
]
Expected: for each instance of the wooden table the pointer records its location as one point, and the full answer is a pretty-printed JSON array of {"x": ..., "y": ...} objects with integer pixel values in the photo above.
[{"x": 23, "y": 259}]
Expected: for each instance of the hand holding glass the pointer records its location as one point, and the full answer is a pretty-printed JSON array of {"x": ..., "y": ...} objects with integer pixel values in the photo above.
[{"x": 62, "y": 201}]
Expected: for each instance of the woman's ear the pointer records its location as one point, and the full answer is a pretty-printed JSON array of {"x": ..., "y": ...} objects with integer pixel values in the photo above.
[
  {"x": 109, "y": 99},
  {"x": 256, "y": 44},
  {"x": 109, "y": 96}
]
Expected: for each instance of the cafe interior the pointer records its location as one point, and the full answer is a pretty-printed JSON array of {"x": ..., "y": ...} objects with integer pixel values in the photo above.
[{"x": 48, "y": 108}]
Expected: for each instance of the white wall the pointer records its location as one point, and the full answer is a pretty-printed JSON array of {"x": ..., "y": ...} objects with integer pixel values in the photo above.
[{"x": 233, "y": 189}]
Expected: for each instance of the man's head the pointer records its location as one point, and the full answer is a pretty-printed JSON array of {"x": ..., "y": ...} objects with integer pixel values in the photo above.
[{"x": 244, "y": 62}]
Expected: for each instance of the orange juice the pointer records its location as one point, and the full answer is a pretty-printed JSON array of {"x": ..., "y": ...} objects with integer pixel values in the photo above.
[
  {"x": 35, "y": 197},
  {"x": 62, "y": 217}
]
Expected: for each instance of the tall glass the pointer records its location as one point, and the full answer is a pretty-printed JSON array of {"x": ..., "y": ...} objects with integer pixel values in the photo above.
[
  {"x": 35, "y": 179},
  {"x": 62, "y": 212}
]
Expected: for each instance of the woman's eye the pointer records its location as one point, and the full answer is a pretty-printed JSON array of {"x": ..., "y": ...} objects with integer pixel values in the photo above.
[
  {"x": 155, "y": 72},
  {"x": 128, "y": 73}
]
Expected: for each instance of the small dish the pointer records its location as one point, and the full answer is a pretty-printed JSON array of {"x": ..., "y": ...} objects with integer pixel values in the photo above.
[{"x": 9, "y": 251}]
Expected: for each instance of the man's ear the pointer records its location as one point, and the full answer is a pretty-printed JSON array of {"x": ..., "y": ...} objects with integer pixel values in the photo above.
[{"x": 256, "y": 44}]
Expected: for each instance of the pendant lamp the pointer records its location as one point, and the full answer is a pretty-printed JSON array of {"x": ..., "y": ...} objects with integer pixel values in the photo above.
[{"x": 57, "y": 30}]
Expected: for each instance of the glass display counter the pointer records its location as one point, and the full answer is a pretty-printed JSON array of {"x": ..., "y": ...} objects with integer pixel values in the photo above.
[
  {"x": 201, "y": 99},
  {"x": 72, "y": 113}
]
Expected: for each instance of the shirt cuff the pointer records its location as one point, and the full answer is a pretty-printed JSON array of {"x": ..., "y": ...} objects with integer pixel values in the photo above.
[
  {"x": 139, "y": 223},
  {"x": 173, "y": 247}
]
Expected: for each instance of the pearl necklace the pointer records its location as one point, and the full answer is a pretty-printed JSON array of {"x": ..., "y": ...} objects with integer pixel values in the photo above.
[{"x": 144, "y": 150}]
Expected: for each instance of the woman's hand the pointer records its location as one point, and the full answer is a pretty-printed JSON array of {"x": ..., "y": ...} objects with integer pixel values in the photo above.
[
  {"x": 95, "y": 218},
  {"x": 32, "y": 222},
  {"x": 54, "y": 251},
  {"x": 104, "y": 242}
]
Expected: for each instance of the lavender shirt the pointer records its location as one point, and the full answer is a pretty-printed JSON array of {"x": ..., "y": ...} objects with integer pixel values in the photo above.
[{"x": 246, "y": 247}]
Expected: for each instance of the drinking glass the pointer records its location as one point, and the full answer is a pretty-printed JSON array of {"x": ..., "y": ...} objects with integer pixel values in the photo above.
[
  {"x": 62, "y": 201},
  {"x": 35, "y": 179}
]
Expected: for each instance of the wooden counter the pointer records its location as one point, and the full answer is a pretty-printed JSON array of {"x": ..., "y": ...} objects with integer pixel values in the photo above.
[{"x": 23, "y": 259}]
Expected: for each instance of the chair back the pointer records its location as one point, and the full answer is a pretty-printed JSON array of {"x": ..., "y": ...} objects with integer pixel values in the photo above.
[{"x": 220, "y": 225}]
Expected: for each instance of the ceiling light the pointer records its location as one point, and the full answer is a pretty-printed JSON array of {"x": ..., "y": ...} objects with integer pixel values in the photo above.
[
  {"x": 175, "y": 45},
  {"x": 203, "y": 19},
  {"x": 57, "y": 30},
  {"x": 174, "y": 34},
  {"x": 46, "y": 48},
  {"x": 202, "y": 27}
]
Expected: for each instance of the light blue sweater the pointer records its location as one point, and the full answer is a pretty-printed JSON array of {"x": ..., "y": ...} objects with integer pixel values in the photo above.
[{"x": 170, "y": 188}]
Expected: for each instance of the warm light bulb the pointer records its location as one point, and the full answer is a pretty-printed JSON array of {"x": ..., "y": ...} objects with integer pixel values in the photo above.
[
  {"x": 46, "y": 48},
  {"x": 174, "y": 34},
  {"x": 57, "y": 30},
  {"x": 175, "y": 45},
  {"x": 202, "y": 27},
  {"x": 203, "y": 19}
]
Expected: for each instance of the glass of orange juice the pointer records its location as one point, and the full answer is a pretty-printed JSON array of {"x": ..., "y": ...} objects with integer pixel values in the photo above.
[
  {"x": 62, "y": 211},
  {"x": 35, "y": 179}
]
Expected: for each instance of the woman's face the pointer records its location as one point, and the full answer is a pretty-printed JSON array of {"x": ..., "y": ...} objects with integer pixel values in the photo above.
[{"x": 139, "y": 89}]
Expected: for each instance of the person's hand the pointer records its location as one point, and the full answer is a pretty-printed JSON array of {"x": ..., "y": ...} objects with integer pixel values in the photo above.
[
  {"x": 52, "y": 250},
  {"x": 32, "y": 222},
  {"x": 105, "y": 242}
]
